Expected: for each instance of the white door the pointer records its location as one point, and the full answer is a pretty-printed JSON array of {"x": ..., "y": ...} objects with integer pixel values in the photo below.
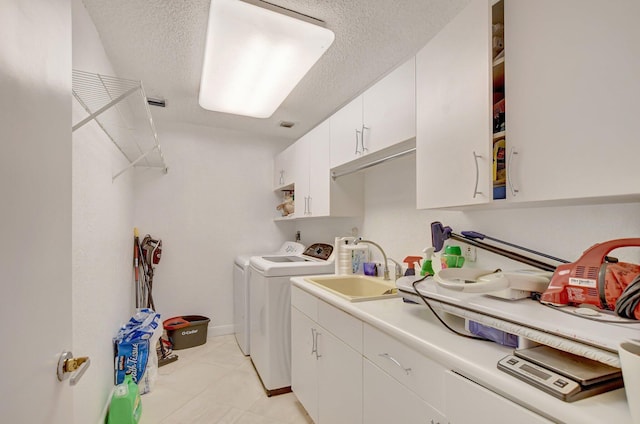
[
  {"x": 381, "y": 390},
  {"x": 35, "y": 209},
  {"x": 453, "y": 104},
  {"x": 319, "y": 176},
  {"x": 346, "y": 133},
  {"x": 572, "y": 93},
  {"x": 339, "y": 381},
  {"x": 304, "y": 362},
  {"x": 389, "y": 108}
]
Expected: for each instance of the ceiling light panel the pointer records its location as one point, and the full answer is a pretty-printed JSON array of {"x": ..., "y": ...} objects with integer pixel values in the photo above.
[{"x": 254, "y": 57}]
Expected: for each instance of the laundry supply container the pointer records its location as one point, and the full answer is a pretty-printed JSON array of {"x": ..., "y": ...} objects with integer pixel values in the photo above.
[{"x": 186, "y": 331}]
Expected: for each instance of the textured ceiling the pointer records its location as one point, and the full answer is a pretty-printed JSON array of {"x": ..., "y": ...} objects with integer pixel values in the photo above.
[{"x": 161, "y": 43}]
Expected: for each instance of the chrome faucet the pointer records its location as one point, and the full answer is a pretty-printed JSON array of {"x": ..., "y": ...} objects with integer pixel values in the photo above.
[{"x": 398, "y": 267}]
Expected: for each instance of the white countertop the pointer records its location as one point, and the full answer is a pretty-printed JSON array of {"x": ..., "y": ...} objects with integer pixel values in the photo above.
[{"x": 416, "y": 326}]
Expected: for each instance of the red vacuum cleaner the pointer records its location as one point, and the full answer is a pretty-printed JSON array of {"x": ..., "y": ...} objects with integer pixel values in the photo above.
[
  {"x": 594, "y": 279},
  {"x": 598, "y": 279}
]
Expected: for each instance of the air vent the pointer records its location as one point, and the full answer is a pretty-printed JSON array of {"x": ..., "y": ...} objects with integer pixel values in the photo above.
[
  {"x": 286, "y": 124},
  {"x": 156, "y": 102}
]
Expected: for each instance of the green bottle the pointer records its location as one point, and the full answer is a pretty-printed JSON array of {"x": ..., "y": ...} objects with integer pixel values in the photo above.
[
  {"x": 427, "y": 266},
  {"x": 125, "y": 407}
]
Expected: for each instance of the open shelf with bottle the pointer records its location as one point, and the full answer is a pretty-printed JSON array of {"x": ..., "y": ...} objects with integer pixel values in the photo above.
[{"x": 499, "y": 177}]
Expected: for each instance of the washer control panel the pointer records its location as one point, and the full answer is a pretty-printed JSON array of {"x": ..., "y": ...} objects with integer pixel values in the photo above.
[{"x": 321, "y": 251}]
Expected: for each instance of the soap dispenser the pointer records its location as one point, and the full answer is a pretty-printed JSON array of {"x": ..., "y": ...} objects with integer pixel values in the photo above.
[
  {"x": 427, "y": 264},
  {"x": 410, "y": 260}
]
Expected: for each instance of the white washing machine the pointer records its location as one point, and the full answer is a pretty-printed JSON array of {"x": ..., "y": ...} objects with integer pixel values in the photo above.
[
  {"x": 270, "y": 329},
  {"x": 241, "y": 292}
]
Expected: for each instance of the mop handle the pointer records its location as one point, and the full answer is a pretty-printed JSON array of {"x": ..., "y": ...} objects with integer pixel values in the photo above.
[{"x": 475, "y": 235}]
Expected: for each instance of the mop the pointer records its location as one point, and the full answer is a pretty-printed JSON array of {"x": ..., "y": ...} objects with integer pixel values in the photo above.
[{"x": 146, "y": 254}]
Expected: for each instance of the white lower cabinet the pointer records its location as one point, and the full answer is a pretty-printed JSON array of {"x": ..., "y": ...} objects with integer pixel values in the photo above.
[
  {"x": 326, "y": 371},
  {"x": 344, "y": 370},
  {"x": 304, "y": 364},
  {"x": 468, "y": 403},
  {"x": 387, "y": 401}
]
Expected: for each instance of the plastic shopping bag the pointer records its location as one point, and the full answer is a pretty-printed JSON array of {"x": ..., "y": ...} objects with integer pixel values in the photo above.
[{"x": 135, "y": 351}]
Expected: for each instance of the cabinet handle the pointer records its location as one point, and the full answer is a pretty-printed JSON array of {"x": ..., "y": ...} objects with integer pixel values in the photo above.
[
  {"x": 357, "y": 141},
  {"x": 282, "y": 177},
  {"x": 475, "y": 158},
  {"x": 395, "y": 361},
  {"x": 307, "y": 205},
  {"x": 364, "y": 149},
  {"x": 314, "y": 345},
  {"x": 514, "y": 191}
]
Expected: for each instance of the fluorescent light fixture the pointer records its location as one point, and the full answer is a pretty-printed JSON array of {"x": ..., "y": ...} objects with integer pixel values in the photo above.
[{"x": 255, "y": 56}]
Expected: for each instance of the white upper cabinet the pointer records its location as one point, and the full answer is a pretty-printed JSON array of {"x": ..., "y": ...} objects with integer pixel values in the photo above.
[
  {"x": 568, "y": 87},
  {"x": 346, "y": 133},
  {"x": 453, "y": 102},
  {"x": 382, "y": 116},
  {"x": 312, "y": 170},
  {"x": 573, "y": 98},
  {"x": 389, "y": 109},
  {"x": 305, "y": 169}
]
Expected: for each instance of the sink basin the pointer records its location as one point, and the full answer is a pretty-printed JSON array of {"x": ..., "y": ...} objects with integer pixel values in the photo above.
[{"x": 356, "y": 288}]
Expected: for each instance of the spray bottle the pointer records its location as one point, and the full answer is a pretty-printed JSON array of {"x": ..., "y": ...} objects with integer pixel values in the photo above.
[
  {"x": 410, "y": 260},
  {"x": 125, "y": 407},
  {"x": 427, "y": 266}
]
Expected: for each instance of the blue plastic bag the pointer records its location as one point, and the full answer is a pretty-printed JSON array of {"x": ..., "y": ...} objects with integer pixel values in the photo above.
[{"x": 133, "y": 345}]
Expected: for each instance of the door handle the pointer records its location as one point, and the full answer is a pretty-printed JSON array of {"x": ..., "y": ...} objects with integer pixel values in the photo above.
[{"x": 68, "y": 366}]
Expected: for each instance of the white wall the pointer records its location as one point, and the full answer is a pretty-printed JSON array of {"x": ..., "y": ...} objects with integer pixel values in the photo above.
[
  {"x": 216, "y": 202},
  {"x": 102, "y": 236},
  {"x": 392, "y": 220}
]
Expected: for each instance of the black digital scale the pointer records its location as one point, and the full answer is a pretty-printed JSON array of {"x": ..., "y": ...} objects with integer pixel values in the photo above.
[{"x": 561, "y": 374}]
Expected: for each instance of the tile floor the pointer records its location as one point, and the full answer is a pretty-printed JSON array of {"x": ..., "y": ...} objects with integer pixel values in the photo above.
[{"x": 215, "y": 383}]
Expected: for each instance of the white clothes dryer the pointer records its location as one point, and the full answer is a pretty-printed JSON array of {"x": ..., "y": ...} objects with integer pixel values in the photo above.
[
  {"x": 241, "y": 292},
  {"x": 270, "y": 310}
]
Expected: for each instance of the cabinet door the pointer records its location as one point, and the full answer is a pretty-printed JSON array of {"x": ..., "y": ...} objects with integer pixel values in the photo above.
[
  {"x": 346, "y": 133},
  {"x": 318, "y": 170},
  {"x": 339, "y": 381},
  {"x": 572, "y": 92},
  {"x": 304, "y": 374},
  {"x": 387, "y": 401},
  {"x": 389, "y": 109},
  {"x": 480, "y": 402},
  {"x": 301, "y": 174},
  {"x": 283, "y": 172},
  {"x": 453, "y": 100}
]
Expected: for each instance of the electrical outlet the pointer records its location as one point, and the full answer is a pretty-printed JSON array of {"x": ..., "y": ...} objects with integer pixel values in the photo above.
[{"x": 469, "y": 253}]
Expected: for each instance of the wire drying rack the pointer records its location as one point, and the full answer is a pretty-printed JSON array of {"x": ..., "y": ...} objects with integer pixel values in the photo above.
[{"x": 119, "y": 107}]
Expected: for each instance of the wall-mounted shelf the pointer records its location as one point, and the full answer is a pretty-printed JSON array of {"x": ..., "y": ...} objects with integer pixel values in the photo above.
[{"x": 119, "y": 107}]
